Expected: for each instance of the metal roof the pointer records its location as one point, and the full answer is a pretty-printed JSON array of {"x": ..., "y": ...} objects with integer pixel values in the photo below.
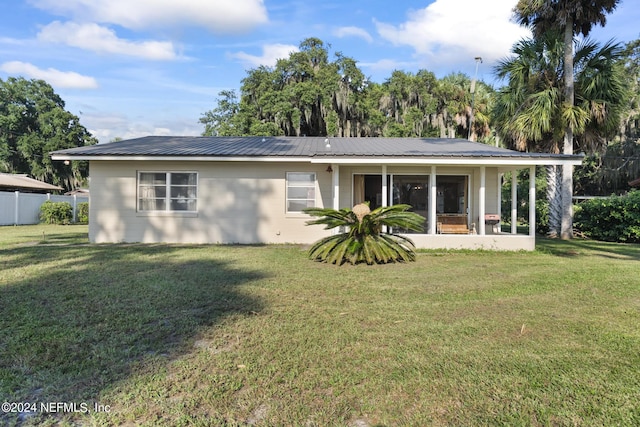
[
  {"x": 299, "y": 147},
  {"x": 22, "y": 181}
]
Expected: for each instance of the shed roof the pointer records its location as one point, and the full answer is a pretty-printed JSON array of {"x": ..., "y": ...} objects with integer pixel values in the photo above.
[
  {"x": 9, "y": 181},
  {"x": 295, "y": 147}
]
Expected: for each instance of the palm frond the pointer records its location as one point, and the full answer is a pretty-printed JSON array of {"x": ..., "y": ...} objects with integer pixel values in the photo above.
[
  {"x": 330, "y": 217},
  {"x": 364, "y": 241},
  {"x": 529, "y": 111},
  {"x": 575, "y": 117}
]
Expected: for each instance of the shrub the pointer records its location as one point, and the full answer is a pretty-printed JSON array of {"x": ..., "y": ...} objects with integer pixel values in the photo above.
[
  {"x": 83, "y": 212},
  {"x": 56, "y": 212},
  {"x": 614, "y": 219},
  {"x": 364, "y": 240}
]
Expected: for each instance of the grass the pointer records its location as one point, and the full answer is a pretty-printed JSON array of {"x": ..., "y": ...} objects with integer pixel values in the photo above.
[
  {"x": 259, "y": 335},
  {"x": 10, "y": 236}
]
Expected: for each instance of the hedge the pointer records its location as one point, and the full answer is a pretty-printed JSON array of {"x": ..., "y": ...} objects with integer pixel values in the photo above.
[
  {"x": 614, "y": 219},
  {"x": 83, "y": 212}
]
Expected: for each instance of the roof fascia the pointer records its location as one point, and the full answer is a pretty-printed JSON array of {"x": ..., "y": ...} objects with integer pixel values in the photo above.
[
  {"x": 180, "y": 158},
  {"x": 466, "y": 161}
]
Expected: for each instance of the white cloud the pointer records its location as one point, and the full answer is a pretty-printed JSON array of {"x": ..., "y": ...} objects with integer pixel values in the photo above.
[
  {"x": 104, "y": 40},
  {"x": 56, "y": 78},
  {"x": 108, "y": 126},
  {"x": 225, "y": 16},
  {"x": 11, "y": 41},
  {"x": 449, "y": 30},
  {"x": 104, "y": 127},
  {"x": 353, "y": 32},
  {"x": 270, "y": 55},
  {"x": 387, "y": 65}
]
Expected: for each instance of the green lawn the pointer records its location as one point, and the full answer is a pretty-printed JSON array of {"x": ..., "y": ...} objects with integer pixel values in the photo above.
[{"x": 259, "y": 335}]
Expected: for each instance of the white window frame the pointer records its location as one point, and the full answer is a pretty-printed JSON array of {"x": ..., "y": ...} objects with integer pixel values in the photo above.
[
  {"x": 297, "y": 184},
  {"x": 167, "y": 198}
]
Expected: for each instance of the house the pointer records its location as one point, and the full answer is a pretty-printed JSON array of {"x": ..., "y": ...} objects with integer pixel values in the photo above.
[
  {"x": 21, "y": 182},
  {"x": 83, "y": 192},
  {"x": 254, "y": 189}
]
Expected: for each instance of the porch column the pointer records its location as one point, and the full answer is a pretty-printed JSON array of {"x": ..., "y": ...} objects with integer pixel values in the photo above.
[
  {"x": 532, "y": 201},
  {"x": 432, "y": 200},
  {"x": 336, "y": 186},
  {"x": 514, "y": 201},
  {"x": 481, "y": 200},
  {"x": 385, "y": 190},
  {"x": 499, "y": 187}
]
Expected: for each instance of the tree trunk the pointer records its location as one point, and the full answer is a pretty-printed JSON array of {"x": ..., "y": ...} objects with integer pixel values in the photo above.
[
  {"x": 566, "y": 231},
  {"x": 442, "y": 126}
]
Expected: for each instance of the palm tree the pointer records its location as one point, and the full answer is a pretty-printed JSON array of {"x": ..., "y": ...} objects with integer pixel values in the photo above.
[
  {"x": 630, "y": 128},
  {"x": 571, "y": 17},
  {"x": 532, "y": 115},
  {"x": 365, "y": 241},
  {"x": 454, "y": 105}
]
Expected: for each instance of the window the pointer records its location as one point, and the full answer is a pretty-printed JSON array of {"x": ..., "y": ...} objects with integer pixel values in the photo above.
[
  {"x": 451, "y": 194},
  {"x": 301, "y": 191},
  {"x": 412, "y": 190},
  {"x": 167, "y": 191}
]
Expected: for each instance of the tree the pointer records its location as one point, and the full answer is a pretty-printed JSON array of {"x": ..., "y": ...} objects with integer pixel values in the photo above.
[
  {"x": 349, "y": 97},
  {"x": 307, "y": 94},
  {"x": 420, "y": 105},
  {"x": 531, "y": 113},
  {"x": 610, "y": 172},
  {"x": 409, "y": 102},
  {"x": 455, "y": 104},
  {"x": 365, "y": 240},
  {"x": 220, "y": 120},
  {"x": 570, "y": 17},
  {"x": 34, "y": 122},
  {"x": 631, "y": 126}
]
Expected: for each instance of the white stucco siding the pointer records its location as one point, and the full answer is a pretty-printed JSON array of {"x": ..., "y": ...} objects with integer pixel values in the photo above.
[
  {"x": 237, "y": 203},
  {"x": 245, "y": 202}
]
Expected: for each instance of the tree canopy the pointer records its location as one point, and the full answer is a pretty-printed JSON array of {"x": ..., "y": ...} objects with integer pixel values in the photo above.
[
  {"x": 578, "y": 15},
  {"x": 530, "y": 112},
  {"x": 308, "y": 94},
  {"x": 315, "y": 93},
  {"x": 34, "y": 122}
]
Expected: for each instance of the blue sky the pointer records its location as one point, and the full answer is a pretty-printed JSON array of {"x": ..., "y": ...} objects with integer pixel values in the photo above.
[{"x": 131, "y": 68}]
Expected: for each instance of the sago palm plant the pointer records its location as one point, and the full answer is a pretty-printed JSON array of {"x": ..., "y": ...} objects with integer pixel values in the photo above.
[{"x": 364, "y": 240}]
